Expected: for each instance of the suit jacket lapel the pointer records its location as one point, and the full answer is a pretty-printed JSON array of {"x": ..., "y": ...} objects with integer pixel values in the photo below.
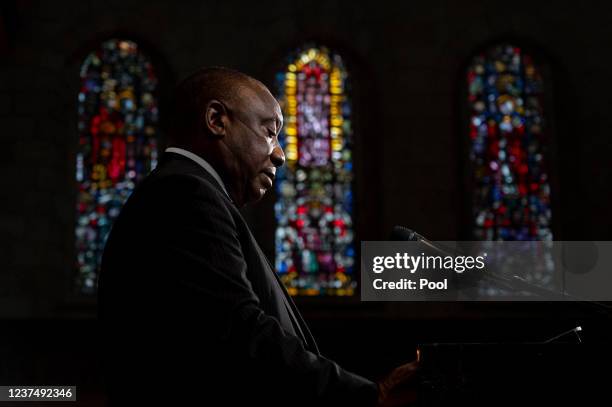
[{"x": 294, "y": 313}]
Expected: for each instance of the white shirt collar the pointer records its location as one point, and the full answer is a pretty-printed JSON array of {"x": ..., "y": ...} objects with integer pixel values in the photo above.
[{"x": 202, "y": 162}]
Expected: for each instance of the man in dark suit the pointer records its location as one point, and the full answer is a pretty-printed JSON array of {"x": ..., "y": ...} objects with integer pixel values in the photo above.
[{"x": 190, "y": 306}]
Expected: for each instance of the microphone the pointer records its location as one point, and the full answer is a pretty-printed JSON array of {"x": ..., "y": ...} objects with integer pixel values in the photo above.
[
  {"x": 400, "y": 233},
  {"x": 403, "y": 234}
]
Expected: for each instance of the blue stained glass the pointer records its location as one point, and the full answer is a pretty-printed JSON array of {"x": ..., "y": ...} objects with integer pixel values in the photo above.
[{"x": 314, "y": 236}]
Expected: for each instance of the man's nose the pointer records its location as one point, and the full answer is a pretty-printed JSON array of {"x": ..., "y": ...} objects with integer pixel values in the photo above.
[{"x": 278, "y": 156}]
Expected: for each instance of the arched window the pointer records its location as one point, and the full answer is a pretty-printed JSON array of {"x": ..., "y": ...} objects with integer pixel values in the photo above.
[
  {"x": 315, "y": 251},
  {"x": 118, "y": 136},
  {"x": 508, "y": 146}
]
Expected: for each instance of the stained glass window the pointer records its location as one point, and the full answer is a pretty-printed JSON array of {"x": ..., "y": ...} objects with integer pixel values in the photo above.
[
  {"x": 117, "y": 125},
  {"x": 315, "y": 251},
  {"x": 508, "y": 146}
]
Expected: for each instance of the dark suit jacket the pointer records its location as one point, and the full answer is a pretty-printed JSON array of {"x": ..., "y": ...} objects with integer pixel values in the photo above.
[{"x": 191, "y": 308}]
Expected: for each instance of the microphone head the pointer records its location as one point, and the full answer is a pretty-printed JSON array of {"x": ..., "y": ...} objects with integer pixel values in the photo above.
[{"x": 402, "y": 234}]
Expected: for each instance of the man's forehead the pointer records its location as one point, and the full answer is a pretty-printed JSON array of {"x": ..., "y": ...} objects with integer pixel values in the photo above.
[{"x": 260, "y": 100}]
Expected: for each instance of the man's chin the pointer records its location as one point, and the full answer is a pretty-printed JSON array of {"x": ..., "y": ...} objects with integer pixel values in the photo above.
[
  {"x": 256, "y": 195},
  {"x": 261, "y": 192}
]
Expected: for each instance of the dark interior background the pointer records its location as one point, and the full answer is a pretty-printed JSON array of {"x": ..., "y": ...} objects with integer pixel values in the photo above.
[{"x": 406, "y": 60}]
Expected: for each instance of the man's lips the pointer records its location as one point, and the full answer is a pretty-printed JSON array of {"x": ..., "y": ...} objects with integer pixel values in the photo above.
[
  {"x": 270, "y": 174},
  {"x": 269, "y": 178}
]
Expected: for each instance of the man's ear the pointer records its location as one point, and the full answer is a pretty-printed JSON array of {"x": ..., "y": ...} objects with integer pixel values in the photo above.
[{"x": 215, "y": 118}]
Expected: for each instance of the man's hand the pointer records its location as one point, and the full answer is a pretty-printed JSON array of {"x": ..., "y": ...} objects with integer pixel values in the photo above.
[{"x": 398, "y": 388}]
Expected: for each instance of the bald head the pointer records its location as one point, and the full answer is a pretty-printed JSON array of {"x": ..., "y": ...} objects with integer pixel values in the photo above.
[{"x": 210, "y": 83}]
